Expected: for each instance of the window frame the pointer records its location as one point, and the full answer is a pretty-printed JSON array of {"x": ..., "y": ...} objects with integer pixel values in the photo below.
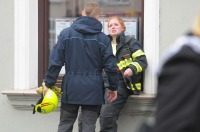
[
  {"x": 43, "y": 35},
  {"x": 25, "y": 44}
]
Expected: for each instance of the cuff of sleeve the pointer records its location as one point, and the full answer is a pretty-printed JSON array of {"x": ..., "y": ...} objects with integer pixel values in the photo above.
[
  {"x": 48, "y": 86},
  {"x": 133, "y": 69},
  {"x": 112, "y": 89}
]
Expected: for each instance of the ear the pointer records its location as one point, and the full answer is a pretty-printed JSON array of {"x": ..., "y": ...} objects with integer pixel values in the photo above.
[
  {"x": 97, "y": 17},
  {"x": 83, "y": 13}
]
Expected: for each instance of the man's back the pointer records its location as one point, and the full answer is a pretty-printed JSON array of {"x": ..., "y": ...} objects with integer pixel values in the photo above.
[{"x": 85, "y": 51}]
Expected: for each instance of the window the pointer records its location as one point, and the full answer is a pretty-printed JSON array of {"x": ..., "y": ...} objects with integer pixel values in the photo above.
[
  {"x": 50, "y": 10},
  {"x": 61, "y": 14}
]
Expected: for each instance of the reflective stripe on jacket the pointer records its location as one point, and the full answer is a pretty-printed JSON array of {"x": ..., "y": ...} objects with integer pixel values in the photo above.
[{"x": 129, "y": 54}]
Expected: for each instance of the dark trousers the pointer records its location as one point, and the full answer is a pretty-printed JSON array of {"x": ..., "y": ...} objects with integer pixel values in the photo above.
[
  {"x": 110, "y": 113},
  {"x": 87, "y": 117}
]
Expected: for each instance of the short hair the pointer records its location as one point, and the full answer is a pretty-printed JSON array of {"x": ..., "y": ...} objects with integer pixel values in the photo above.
[
  {"x": 92, "y": 9},
  {"x": 121, "y": 21}
]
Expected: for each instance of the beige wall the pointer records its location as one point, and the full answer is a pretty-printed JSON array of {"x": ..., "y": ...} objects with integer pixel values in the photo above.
[
  {"x": 12, "y": 119},
  {"x": 6, "y": 44},
  {"x": 176, "y": 17}
]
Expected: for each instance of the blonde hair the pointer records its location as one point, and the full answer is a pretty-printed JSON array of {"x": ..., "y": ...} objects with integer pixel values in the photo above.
[
  {"x": 196, "y": 26},
  {"x": 120, "y": 21},
  {"x": 92, "y": 9}
]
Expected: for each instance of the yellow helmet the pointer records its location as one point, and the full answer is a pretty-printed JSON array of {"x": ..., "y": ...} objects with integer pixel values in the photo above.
[{"x": 46, "y": 104}]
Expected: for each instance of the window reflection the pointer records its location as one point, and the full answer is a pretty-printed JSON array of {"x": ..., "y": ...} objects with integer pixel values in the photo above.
[{"x": 69, "y": 10}]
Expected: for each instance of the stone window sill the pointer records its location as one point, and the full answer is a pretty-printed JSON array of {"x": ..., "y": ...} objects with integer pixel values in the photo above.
[
  {"x": 22, "y": 99},
  {"x": 143, "y": 104}
]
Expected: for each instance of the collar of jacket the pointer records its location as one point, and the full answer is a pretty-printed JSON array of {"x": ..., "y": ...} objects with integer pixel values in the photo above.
[{"x": 121, "y": 40}]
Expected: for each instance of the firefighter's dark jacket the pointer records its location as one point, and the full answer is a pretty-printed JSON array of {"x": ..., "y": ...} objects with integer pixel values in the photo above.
[
  {"x": 85, "y": 51},
  {"x": 131, "y": 46},
  {"x": 178, "y": 96}
]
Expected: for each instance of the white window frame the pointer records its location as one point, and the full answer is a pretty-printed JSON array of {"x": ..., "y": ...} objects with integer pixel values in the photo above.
[
  {"x": 26, "y": 44},
  {"x": 151, "y": 44}
]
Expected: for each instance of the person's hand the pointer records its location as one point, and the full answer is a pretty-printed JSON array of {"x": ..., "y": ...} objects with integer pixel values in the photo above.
[
  {"x": 45, "y": 89},
  {"x": 128, "y": 72},
  {"x": 112, "y": 95}
]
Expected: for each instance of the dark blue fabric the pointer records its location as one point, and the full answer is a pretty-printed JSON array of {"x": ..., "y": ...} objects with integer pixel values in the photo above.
[
  {"x": 85, "y": 51},
  {"x": 110, "y": 112}
]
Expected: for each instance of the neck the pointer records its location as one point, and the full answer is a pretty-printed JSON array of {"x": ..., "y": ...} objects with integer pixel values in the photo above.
[{"x": 114, "y": 39}]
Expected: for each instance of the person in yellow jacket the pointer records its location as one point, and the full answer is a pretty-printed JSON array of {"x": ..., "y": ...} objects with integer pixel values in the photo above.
[{"x": 131, "y": 62}]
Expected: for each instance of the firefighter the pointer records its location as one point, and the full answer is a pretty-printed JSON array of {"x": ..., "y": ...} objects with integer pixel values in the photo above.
[{"x": 131, "y": 62}]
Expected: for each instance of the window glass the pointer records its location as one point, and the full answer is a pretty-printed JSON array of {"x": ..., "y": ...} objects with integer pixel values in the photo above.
[{"x": 63, "y": 12}]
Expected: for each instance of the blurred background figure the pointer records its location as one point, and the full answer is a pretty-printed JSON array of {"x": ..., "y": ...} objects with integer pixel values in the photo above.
[{"x": 178, "y": 96}]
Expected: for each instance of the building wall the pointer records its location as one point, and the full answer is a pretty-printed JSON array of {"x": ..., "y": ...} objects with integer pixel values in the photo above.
[
  {"x": 175, "y": 19},
  {"x": 12, "y": 119},
  {"x": 6, "y": 42}
]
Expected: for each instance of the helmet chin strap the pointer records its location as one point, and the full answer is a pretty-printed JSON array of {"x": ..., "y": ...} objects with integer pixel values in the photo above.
[{"x": 38, "y": 102}]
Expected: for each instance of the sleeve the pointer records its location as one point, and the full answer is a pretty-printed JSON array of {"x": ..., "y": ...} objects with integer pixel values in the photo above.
[
  {"x": 139, "y": 63},
  {"x": 110, "y": 66},
  {"x": 56, "y": 61},
  {"x": 105, "y": 79}
]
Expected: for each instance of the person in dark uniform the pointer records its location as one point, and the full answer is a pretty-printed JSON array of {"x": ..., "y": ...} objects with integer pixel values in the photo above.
[
  {"x": 85, "y": 51},
  {"x": 131, "y": 62},
  {"x": 178, "y": 96}
]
